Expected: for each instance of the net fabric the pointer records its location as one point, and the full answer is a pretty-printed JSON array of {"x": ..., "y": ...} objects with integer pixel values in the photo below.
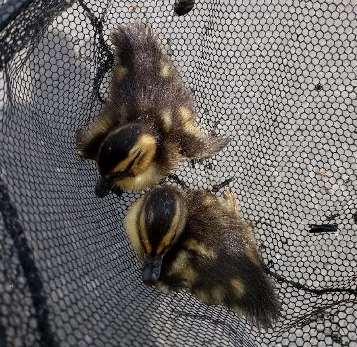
[{"x": 277, "y": 77}]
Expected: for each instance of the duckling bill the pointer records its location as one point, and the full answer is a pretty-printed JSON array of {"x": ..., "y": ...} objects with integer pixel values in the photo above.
[
  {"x": 198, "y": 241},
  {"x": 147, "y": 125}
]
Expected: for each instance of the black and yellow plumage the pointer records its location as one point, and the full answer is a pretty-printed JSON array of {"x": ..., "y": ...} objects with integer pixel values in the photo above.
[
  {"x": 148, "y": 124},
  {"x": 198, "y": 241}
]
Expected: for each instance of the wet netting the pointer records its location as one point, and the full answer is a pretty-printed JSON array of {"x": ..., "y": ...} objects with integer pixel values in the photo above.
[{"x": 277, "y": 77}]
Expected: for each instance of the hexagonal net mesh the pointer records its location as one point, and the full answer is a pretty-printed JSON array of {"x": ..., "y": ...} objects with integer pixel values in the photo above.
[{"x": 277, "y": 77}]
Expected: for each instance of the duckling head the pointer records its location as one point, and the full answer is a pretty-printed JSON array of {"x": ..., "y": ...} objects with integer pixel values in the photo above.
[
  {"x": 126, "y": 152},
  {"x": 160, "y": 224}
]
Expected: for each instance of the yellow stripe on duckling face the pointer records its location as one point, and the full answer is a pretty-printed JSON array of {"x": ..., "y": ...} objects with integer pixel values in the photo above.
[
  {"x": 177, "y": 225},
  {"x": 143, "y": 234},
  {"x": 148, "y": 178},
  {"x": 124, "y": 163},
  {"x": 131, "y": 226},
  {"x": 146, "y": 145}
]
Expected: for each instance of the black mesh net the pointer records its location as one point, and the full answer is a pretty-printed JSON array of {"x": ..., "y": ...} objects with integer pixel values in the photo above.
[{"x": 277, "y": 77}]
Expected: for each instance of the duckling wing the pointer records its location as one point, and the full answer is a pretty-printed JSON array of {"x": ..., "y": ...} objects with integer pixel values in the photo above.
[
  {"x": 249, "y": 290},
  {"x": 194, "y": 143},
  {"x": 231, "y": 278},
  {"x": 199, "y": 146},
  {"x": 229, "y": 270}
]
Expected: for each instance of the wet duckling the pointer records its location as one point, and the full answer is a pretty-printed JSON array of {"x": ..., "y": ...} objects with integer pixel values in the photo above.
[
  {"x": 198, "y": 241},
  {"x": 148, "y": 124}
]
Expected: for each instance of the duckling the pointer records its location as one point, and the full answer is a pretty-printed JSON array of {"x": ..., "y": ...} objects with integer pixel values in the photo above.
[
  {"x": 198, "y": 241},
  {"x": 147, "y": 125}
]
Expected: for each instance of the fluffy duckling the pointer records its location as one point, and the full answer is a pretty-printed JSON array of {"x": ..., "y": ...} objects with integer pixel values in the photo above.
[
  {"x": 148, "y": 124},
  {"x": 198, "y": 241}
]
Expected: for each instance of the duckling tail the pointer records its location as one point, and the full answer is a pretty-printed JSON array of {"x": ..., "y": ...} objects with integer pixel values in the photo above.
[
  {"x": 135, "y": 45},
  {"x": 267, "y": 310},
  {"x": 253, "y": 294},
  {"x": 123, "y": 46},
  {"x": 260, "y": 303}
]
